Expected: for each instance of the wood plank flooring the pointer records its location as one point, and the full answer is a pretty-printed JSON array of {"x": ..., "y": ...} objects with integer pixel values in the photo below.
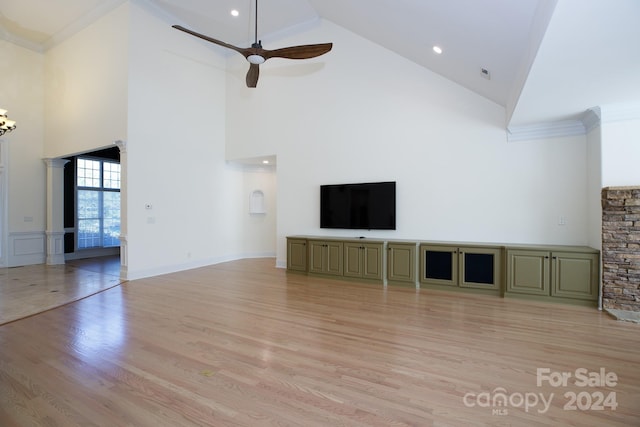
[
  {"x": 246, "y": 344},
  {"x": 32, "y": 289}
]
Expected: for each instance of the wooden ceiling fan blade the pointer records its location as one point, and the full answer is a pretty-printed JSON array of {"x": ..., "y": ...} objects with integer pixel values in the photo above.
[
  {"x": 298, "y": 52},
  {"x": 256, "y": 55},
  {"x": 212, "y": 40},
  {"x": 252, "y": 75}
]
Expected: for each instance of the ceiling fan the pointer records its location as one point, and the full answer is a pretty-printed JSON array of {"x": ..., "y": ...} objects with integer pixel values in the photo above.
[{"x": 256, "y": 55}]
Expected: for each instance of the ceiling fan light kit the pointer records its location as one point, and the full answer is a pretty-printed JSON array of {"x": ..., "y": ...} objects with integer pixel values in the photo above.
[
  {"x": 255, "y": 59},
  {"x": 256, "y": 55}
]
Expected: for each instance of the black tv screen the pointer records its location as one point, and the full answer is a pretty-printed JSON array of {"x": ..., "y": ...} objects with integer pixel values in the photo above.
[{"x": 366, "y": 206}]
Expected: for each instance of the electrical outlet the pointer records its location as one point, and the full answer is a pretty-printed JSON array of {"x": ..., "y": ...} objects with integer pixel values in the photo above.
[{"x": 562, "y": 220}]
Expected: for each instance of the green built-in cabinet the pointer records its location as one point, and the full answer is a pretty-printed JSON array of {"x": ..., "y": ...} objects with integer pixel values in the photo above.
[
  {"x": 561, "y": 273},
  {"x": 473, "y": 267},
  {"x": 363, "y": 260},
  {"x": 325, "y": 257},
  {"x": 297, "y": 255},
  {"x": 401, "y": 263},
  {"x": 554, "y": 273}
]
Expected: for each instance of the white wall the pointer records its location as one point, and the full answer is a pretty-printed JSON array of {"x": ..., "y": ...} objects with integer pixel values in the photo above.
[
  {"x": 594, "y": 185},
  {"x": 620, "y": 151},
  {"x": 175, "y": 152},
  {"x": 22, "y": 174},
  {"x": 259, "y": 229},
  {"x": 86, "y": 81},
  {"x": 361, "y": 113}
]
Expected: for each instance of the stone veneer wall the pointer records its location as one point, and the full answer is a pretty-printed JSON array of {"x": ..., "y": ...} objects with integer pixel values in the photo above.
[{"x": 621, "y": 248}]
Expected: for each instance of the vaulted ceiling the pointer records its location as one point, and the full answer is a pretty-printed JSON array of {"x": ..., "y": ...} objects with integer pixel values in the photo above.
[{"x": 501, "y": 37}]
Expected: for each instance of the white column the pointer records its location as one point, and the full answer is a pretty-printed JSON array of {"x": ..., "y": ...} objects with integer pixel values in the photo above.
[
  {"x": 55, "y": 211},
  {"x": 124, "y": 244},
  {"x": 4, "y": 199}
]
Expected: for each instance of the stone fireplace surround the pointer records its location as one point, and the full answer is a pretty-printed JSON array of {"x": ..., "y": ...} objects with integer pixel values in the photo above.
[{"x": 621, "y": 250}]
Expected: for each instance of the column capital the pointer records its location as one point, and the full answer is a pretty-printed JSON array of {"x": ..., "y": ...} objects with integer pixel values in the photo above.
[
  {"x": 55, "y": 163},
  {"x": 122, "y": 145}
]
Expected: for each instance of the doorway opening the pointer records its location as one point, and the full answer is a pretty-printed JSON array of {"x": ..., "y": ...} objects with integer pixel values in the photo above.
[{"x": 92, "y": 205}]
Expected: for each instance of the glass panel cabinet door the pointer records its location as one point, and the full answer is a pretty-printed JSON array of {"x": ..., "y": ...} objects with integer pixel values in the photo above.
[
  {"x": 480, "y": 268},
  {"x": 439, "y": 265}
]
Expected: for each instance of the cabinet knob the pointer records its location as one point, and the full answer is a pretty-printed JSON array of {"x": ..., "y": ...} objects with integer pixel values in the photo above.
[{"x": 546, "y": 257}]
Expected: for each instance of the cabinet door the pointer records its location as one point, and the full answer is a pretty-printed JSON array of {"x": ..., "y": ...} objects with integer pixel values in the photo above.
[
  {"x": 439, "y": 265},
  {"x": 575, "y": 275},
  {"x": 297, "y": 254},
  {"x": 528, "y": 272},
  {"x": 334, "y": 258},
  {"x": 317, "y": 256},
  {"x": 353, "y": 259},
  {"x": 372, "y": 261},
  {"x": 401, "y": 262},
  {"x": 325, "y": 257},
  {"x": 363, "y": 260},
  {"x": 479, "y": 268}
]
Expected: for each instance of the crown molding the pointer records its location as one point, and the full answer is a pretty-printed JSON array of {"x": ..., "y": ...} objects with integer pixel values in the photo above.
[
  {"x": 159, "y": 12},
  {"x": 89, "y": 18},
  {"x": 546, "y": 130},
  {"x": 590, "y": 119},
  {"x": 619, "y": 112},
  {"x": 22, "y": 42}
]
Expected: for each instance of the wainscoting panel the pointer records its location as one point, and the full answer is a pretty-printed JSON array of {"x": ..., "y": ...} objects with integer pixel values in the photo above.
[{"x": 26, "y": 248}]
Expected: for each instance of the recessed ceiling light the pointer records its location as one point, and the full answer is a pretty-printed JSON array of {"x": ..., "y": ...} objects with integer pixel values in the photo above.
[
  {"x": 234, "y": 12},
  {"x": 266, "y": 162},
  {"x": 437, "y": 49}
]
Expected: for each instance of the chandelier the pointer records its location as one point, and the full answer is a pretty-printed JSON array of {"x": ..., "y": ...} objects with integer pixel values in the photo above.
[{"x": 6, "y": 125}]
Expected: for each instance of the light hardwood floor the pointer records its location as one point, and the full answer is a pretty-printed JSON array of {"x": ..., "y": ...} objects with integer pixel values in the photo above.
[{"x": 246, "y": 344}]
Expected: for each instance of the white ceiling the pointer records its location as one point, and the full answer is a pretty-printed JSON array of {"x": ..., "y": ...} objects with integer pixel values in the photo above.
[
  {"x": 501, "y": 36},
  {"x": 490, "y": 34},
  {"x": 590, "y": 57}
]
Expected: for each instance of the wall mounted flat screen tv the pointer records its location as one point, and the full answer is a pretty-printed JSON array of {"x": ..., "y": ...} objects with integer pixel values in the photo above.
[{"x": 365, "y": 206}]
